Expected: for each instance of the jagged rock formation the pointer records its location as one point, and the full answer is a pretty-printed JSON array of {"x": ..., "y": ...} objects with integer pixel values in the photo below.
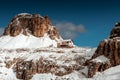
[
  {"x": 26, "y": 69},
  {"x": 115, "y": 31},
  {"x": 110, "y": 48},
  {"x": 31, "y": 23}
]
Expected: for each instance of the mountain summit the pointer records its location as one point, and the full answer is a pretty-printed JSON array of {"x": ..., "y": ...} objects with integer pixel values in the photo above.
[
  {"x": 31, "y": 24},
  {"x": 32, "y": 31}
]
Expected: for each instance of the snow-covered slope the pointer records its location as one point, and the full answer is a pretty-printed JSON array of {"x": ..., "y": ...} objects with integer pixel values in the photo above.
[
  {"x": 22, "y": 41},
  {"x": 60, "y": 56},
  {"x": 109, "y": 74},
  {"x": 112, "y": 73}
]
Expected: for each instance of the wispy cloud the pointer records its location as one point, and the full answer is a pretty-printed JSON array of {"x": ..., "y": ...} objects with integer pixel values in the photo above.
[
  {"x": 69, "y": 30},
  {"x": 1, "y": 30}
]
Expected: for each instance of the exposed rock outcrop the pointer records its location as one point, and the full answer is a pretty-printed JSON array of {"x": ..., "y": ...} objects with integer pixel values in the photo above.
[
  {"x": 26, "y": 69},
  {"x": 115, "y": 31},
  {"x": 31, "y": 23},
  {"x": 110, "y": 48}
]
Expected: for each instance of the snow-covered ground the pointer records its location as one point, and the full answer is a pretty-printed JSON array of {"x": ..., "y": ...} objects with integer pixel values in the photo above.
[
  {"x": 61, "y": 56},
  {"x": 101, "y": 58},
  {"x": 109, "y": 74},
  {"x": 22, "y": 41},
  {"x": 33, "y": 48},
  {"x": 112, "y": 73}
]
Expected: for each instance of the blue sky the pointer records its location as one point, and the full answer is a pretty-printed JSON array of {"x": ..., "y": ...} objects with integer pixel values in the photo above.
[{"x": 87, "y": 22}]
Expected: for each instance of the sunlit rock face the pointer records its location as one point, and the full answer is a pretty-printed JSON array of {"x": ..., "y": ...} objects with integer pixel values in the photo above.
[
  {"x": 30, "y": 23},
  {"x": 110, "y": 48}
]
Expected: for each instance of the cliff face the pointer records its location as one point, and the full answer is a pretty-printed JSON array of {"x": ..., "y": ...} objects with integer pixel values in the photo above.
[
  {"x": 31, "y": 24},
  {"x": 110, "y": 48}
]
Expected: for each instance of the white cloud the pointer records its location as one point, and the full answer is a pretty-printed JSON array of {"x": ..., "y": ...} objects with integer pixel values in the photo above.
[
  {"x": 1, "y": 30},
  {"x": 69, "y": 30}
]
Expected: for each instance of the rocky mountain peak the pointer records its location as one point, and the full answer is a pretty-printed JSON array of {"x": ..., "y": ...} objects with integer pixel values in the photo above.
[
  {"x": 109, "y": 48},
  {"x": 115, "y": 31},
  {"x": 32, "y": 31},
  {"x": 117, "y": 24},
  {"x": 30, "y": 24}
]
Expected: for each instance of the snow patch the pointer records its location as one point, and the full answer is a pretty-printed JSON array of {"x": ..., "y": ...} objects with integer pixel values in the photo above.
[
  {"x": 22, "y": 41},
  {"x": 73, "y": 76},
  {"x": 112, "y": 73},
  {"x": 24, "y": 14},
  {"x": 7, "y": 74},
  {"x": 101, "y": 58}
]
